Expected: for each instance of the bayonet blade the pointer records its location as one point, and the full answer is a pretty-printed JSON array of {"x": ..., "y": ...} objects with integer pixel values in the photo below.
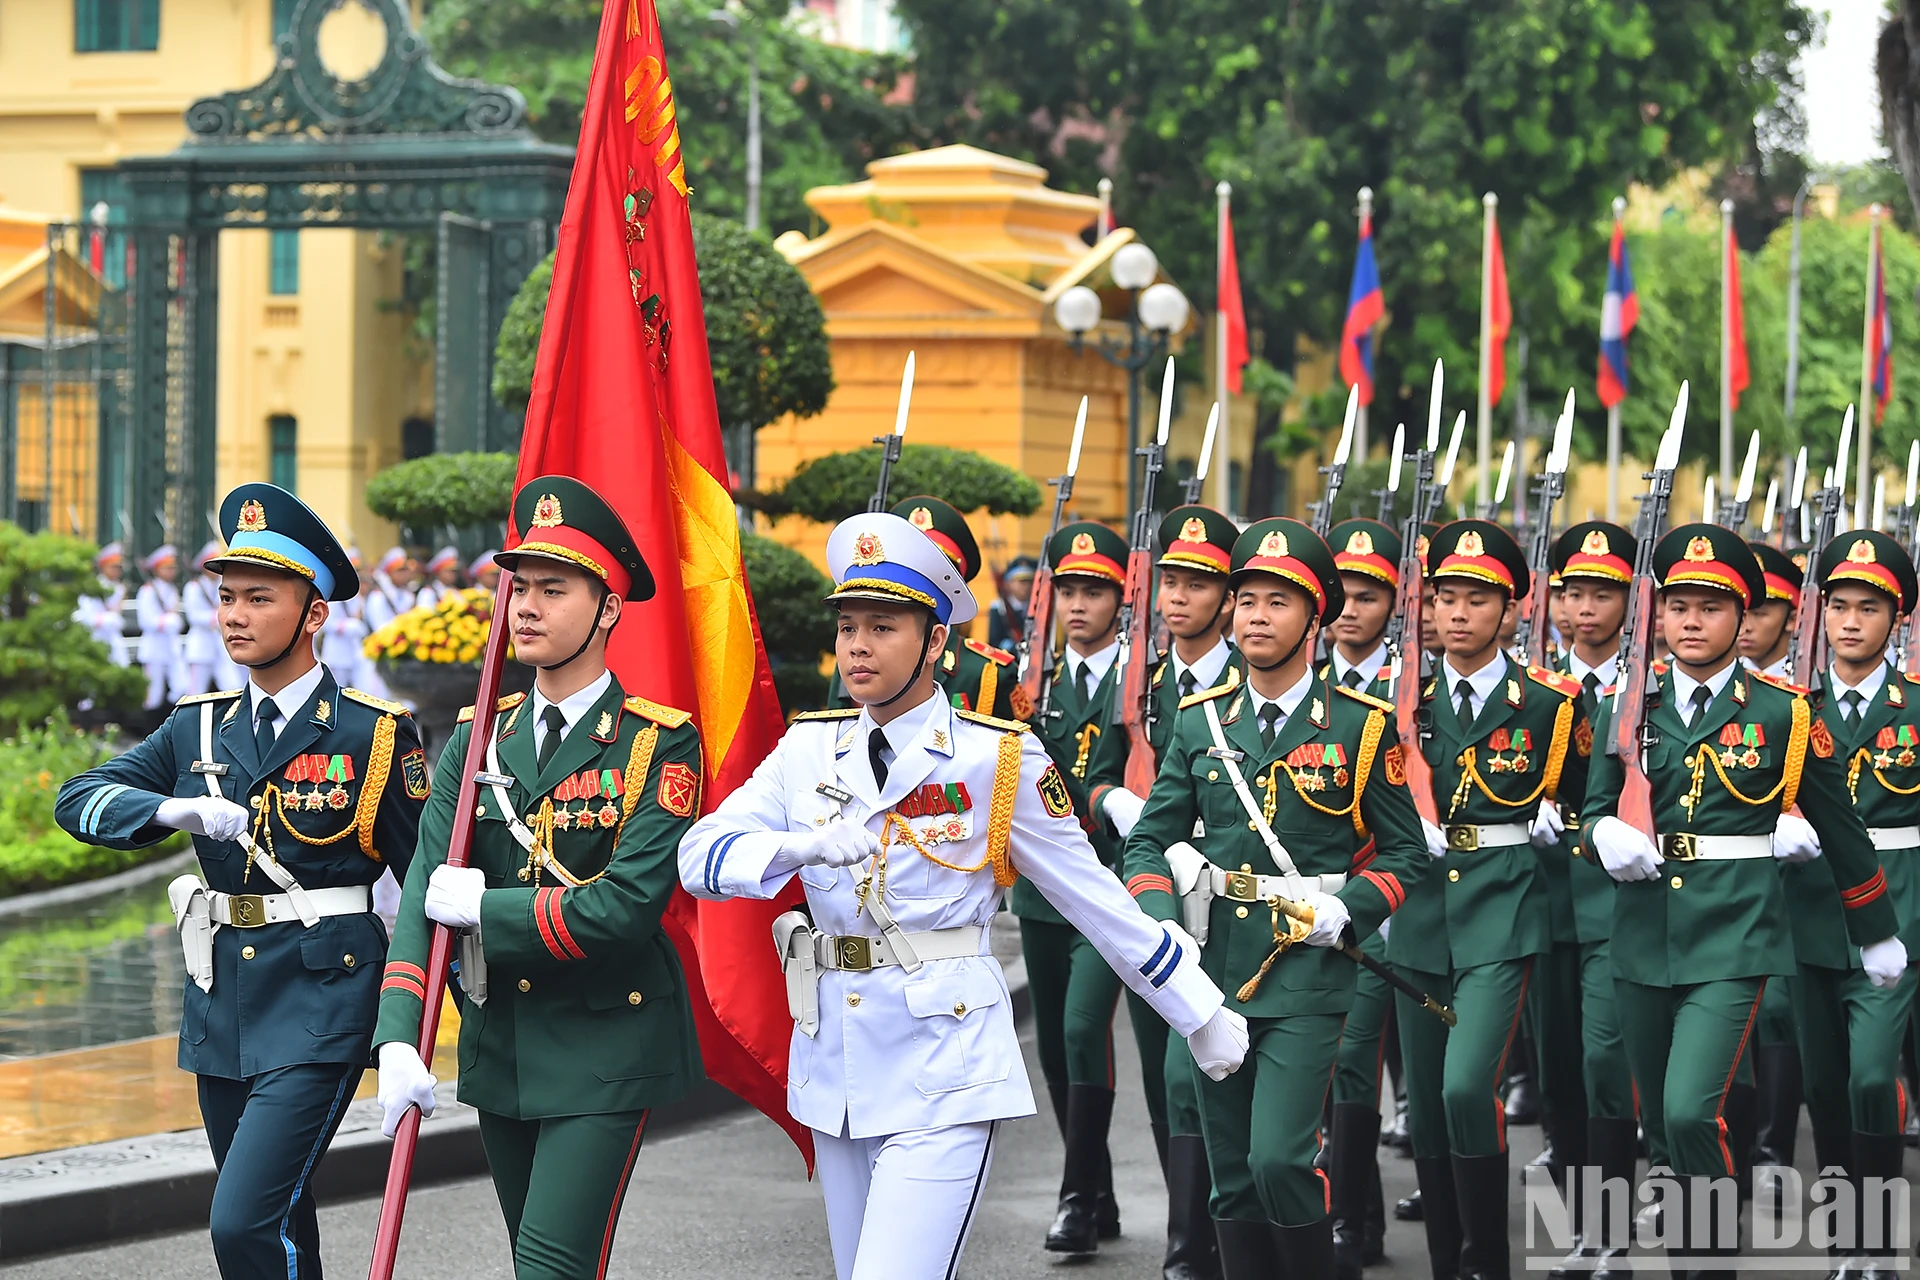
[
  {"x": 1445, "y": 477},
  {"x": 1166, "y": 403},
  {"x": 906, "y": 398},
  {"x": 1206, "y": 445},
  {"x": 1744, "y": 493},
  {"x": 1433, "y": 407},
  {"x": 1506, "y": 476},
  {"x": 1346, "y": 431},
  {"x": 1399, "y": 444},
  {"x": 1773, "y": 495},
  {"x": 1079, "y": 434}
]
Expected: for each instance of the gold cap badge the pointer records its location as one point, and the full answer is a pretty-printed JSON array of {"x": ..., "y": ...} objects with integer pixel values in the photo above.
[
  {"x": 921, "y": 519},
  {"x": 1596, "y": 543},
  {"x": 1700, "y": 549},
  {"x": 1470, "y": 544},
  {"x": 1360, "y": 543},
  {"x": 1194, "y": 530},
  {"x": 546, "y": 512},
  {"x": 253, "y": 517},
  {"x": 1861, "y": 552},
  {"x": 1083, "y": 544},
  {"x": 867, "y": 549},
  {"x": 1274, "y": 544}
]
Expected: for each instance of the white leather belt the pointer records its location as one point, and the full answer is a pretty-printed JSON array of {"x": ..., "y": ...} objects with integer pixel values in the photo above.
[
  {"x": 252, "y": 910},
  {"x": 1685, "y": 846},
  {"x": 1244, "y": 886},
  {"x": 1895, "y": 837},
  {"x": 857, "y": 953},
  {"x": 1465, "y": 837}
]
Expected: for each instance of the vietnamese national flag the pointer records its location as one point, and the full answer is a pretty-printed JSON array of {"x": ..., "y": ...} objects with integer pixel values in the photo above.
[
  {"x": 1736, "y": 372},
  {"x": 1497, "y": 314},
  {"x": 1230, "y": 304},
  {"x": 623, "y": 399},
  {"x": 1366, "y": 305},
  {"x": 1619, "y": 312},
  {"x": 1880, "y": 335}
]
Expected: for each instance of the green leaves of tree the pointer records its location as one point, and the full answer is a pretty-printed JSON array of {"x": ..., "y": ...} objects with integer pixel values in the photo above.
[
  {"x": 47, "y": 660},
  {"x": 831, "y": 488},
  {"x": 450, "y": 489}
]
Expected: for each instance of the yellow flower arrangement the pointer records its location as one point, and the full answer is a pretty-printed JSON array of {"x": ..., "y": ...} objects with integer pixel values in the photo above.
[{"x": 452, "y": 631}]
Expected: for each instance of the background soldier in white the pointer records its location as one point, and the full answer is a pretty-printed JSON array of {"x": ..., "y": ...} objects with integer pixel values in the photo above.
[
  {"x": 101, "y": 612},
  {"x": 158, "y": 602},
  {"x": 906, "y": 819}
]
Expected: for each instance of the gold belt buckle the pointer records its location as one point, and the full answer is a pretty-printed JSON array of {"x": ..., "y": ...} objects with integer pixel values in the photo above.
[
  {"x": 1463, "y": 837},
  {"x": 247, "y": 910},
  {"x": 1243, "y": 886},
  {"x": 855, "y": 951},
  {"x": 1682, "y": 846}
]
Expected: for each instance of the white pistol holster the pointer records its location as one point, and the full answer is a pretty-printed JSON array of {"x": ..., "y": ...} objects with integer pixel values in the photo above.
[
  {"x": 193, "y": 916},
  {"x": 793, "y": 938},
  {"x": 1194, "y": 887},
  {"x": 473, "y": 965}
]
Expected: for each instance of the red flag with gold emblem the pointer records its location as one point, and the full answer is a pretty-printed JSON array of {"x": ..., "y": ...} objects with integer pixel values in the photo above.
[{"x": 623, "y": 399}]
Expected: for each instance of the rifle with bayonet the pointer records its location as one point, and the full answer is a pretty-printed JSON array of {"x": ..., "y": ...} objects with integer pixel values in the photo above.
[
  {"x": 1205, "y": 460},
  {"x": 1634, "y": 694},
  {"x": 1336, "y": 471},
  {"x": 1810, "y": 632},
  {"x": 1036, "y": 640},
  {"x": 1387, "y": 495},
  {"x": 1733, "y": 510},
  {"x": 1490, "y": 508},
  {"x": 1132, "y": 708},
  {"x": 890, "y": 444},
  {"x": 1530, "y": 639}
]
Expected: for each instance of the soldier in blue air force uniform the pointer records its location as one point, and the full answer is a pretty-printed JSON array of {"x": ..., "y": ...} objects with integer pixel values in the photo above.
[{"x": 298, "y": 794}]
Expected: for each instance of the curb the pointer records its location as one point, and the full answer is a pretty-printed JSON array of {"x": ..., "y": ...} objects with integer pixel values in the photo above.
[
  {"x": 84, "y": 1197},
  {"x": 20, "y": 904}
]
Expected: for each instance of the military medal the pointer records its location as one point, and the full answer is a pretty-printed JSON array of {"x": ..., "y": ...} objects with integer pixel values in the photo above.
[
  {"x": 608, "y": 814},
  {"x": 562, "y": 819},
  {"x": 1751, "y": 759},
  {"x": 1905, "y": 758},
  {"x": 337, "y": 798}
]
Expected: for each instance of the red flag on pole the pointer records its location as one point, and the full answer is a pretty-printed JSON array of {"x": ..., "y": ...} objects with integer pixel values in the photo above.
[
  {"x": 1736, "y": 372},
  {"x": 623, "y": 398},
  {"x": 1499, "y": 309},
  {"x": 1230, "y": 304}
]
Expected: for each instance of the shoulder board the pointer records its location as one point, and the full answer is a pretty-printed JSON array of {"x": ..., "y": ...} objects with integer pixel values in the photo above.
[
  {"x": 671, "y": 717},
  {"x": 1378, "y": 704},
  {"x": 218, "y": 695},
  {"x": 1911, "y": 677},
  {"x": 380, "y": 704},
  {"x": 1557, "y": 681},
  {"x": 831, "y": 713},
  {"x": 1659, "y": 668},
  {"x": 987, "y": 651},
  {"x": 1779, "y": 683},
  {"x": 992, "y": 722},
  {"x": 506, "y": 703},
  {"x": 1201, "y": 695}
]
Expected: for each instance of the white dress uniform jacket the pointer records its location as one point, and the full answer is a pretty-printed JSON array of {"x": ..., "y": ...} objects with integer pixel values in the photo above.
[
  {"x": 104, "y": 620},
  {"x": 897, "y": 1051},
  {"x": 158, "y": 604}
]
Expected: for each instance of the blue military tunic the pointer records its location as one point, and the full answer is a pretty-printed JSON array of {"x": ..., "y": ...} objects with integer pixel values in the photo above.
[{"x": 336, "y": 801}]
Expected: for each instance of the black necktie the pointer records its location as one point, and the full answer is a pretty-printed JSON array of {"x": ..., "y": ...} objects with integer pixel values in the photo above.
[
  {"x": 1353, "y": 679},
  {"x": 1463, "y": 705},
  {"x": 556, "y": 726},
  {"x": 1085, "y": 681},
  {"x": 876, "y": 743},
  {"x": 1186, "y": 682},
  {"x": 1270, "y": 718},
  {"x": 1850, "y": 701},
  {"x": 1701, "y": 697},
  {"x": 1590, "y": 683},
  {"x": 264, "y": 714}
]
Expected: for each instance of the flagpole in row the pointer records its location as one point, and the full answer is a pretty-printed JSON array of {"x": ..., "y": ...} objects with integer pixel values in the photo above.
[
  {"x": 1222, "y": 391},
  {"x": 1483, "y": 441},
  {"x": 1866, "y": 402},
  {"x": 1613, "y": 418},
  {"x": 1360, "y": 419},
  {"x": 1727, "y": 286},
  {"x": 1619, "y": 313}
]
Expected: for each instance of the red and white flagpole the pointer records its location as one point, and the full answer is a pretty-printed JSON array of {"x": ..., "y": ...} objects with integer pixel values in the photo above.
[
  {"x": 1220, "y": 468},
  {"x": 1483, "y": 440},
  {"x": 1864, "y": 418},
  {"x": 1726, "y": 349},
  {"x": 1360, "y": 419}
]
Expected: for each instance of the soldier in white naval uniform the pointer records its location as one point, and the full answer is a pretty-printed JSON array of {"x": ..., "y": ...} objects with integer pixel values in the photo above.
[{"x": 906, "y": 819}]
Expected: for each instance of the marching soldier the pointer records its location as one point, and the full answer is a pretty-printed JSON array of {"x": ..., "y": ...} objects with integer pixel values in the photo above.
[
  {"x": 298, "y": 793},
  {"x": 575, "y": 1021},
  {"x": 1297, "y": 785},
  {"x": 1766, "y": 636},
  {"x": 100, "y": 611},
  {"x": 1367, "y": 554},
  {"x": 1701, "y": 916},
  {"x": 1593, "y": 563},
  {"x": 1505, "y": 740},
  {"x": 1007, "y": 615},
  {"x": 906, "y": 821},
  {"x": 158, "y": 605}
]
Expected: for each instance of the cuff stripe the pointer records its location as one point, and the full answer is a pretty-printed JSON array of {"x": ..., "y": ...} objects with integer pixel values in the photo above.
[
  {"x": 559, "y": 921},
  {"x": 1389, "y": 887},
  {"x": 546, "y": 930},
  {"x": 1146, "y": 882},
  {"x": 1861, "y": 894},
  {"x": 1166, "y": 944},
  {"x": 1364, "y": 856},
  {"x": 1159, "y": 979},
  {"x": 717, "y": 858},
  {"x": 97, "y": 807},
  {"x": 402, "y": 983},
  {"x": 401, "y": 967}
]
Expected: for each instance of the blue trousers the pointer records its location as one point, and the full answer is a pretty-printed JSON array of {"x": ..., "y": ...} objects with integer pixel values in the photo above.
[{"x": 268, "y": 1134}]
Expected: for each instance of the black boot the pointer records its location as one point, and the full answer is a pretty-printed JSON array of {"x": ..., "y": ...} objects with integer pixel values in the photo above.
[
  {"x": 1480, "y": 1183},
  {"x": 1877, "y": 1156},
  {"x": 1397, "y": 1136},
  {"x": 1192, "y": 1251},
  {"x": 1351, "y": 1166},
  {"x": 1440, "y": 1211},
  {"x": 1833, "y": 1148},
  {"x": 1613, "y": 1147},
  {"x": 1074, "y": 1229},
  {"x": 1777, "y": 1068},
  {"x": 1306, "y": 1253},
  {"x": 1247, "y": 1251},
  {"x": 1106, "y": 1209},
  {"x": 1373, "y": 1236},
  {"x": 1410, "y": 1208}
]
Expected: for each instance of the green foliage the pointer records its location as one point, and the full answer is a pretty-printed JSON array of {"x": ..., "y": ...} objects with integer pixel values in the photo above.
[
  {"x": 836, "y": 485},
  {"x": 518, "y": 345},
  {"x": 52, "y": 962},
  {"x": 47, "y": 660},
  {"x": 34, "y": 852},
  {"x": 445, "y": 489},
  {"x": 796, "y": 626}
]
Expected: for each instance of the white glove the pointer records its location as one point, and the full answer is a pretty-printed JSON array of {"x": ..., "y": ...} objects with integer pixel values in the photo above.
[
  {"x": 838, "y": 844},
  {"x": 215, "y": 817},
  {"x": 1885, "y": 961},
  {"x": 1330, "y": 919},
  {"x": 404, "y": 1082},
  {"x": 1626, "y": 853},
  {"x": 1794, "y": 839},
  {"x": 453, "y": 896},
  {"x": 1122, "y": 808},
  {"x": 1220, "y": 1045},
  {"x": 1436, "y": 839},
  {"x": 1547, "y": 826}
]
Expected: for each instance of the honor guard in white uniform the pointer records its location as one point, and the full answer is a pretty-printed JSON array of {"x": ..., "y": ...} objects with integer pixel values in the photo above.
[
  {"x": 203, "y": 663},
  {"x": 158, "y": 603},
  {"x": 442, "y": 580},
  {"x": 102, "y": 612},
  {"x": 906, "y": 820},
  {"x": 388, "y": 599}
]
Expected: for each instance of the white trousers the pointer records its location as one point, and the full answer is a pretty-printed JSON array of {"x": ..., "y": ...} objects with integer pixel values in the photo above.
[{"x": 900, "y": 1207}]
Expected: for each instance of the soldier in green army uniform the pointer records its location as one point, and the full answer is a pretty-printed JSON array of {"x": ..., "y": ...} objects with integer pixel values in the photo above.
[
  {"x": 575, "y": 1021},
  {"x": 1367, "y": 554},
  {"x": 976, "y": 676},
  {"x": 1701, "y": 914},
  {"x": 1766, "y": 633},
  {"x": 1573, "y": 1008},
  {"x": 1851, "y": 1027},
  {"x": 1286, "y": 791},
  {"x": 1505, "y": 741}
]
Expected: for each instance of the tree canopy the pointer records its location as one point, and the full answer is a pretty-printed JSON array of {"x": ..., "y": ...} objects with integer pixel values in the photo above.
[{"x": 836, "y": 485}]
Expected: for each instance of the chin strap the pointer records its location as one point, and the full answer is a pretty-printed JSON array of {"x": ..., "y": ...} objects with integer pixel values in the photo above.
[
  {"x": 926, "y": 639},
  {"x": 1308, "y": 630},
  {"x": 299, "y": 630},
  {"x": 591, "y": 633}
]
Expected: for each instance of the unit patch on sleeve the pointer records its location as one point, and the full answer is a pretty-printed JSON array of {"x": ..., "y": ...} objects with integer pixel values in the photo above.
[
  {"x": 413, "y": 771},
  {"x": 679, "y": 788},
  {"x": 1053, "y": 792},
  {"x": 1820, "y": 738},
  {"x": 1395, "y": 763}
]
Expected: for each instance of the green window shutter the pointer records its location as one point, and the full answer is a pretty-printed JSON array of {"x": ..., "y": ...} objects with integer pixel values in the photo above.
[
  {"x": 283, "y": 438},
  {"x": 283, "y": 263},
  {"x": 86, "y": 26},
  {"x": 148, "y": 36}
]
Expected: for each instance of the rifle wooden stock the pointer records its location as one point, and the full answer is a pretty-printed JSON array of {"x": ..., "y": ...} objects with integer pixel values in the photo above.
[
  {"x": 1406, "y": 686},
  {"x": 1038, "y": 643},
  {"x": 1141, "y": 766},
  {"x": 1635, "y": 806}
]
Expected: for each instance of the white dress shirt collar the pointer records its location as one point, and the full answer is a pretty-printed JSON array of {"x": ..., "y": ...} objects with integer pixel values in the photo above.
[
  {"x": 1868, "y": 689},
  {"x": 904, "y": 729},
  {"x": 1608, "y": 671},
  {"x": 1684, "y": 685},
  {"x": 572, "y": 707},
  {"x": 1207, "y": 668},
  {"x": 1368, "y": 667},
  {"x": 1483, "y": 682},
  {"x": 288, "y": 701},
  {"x": 1289, "y": 701},
  {"x": 1099, "y": 662}
]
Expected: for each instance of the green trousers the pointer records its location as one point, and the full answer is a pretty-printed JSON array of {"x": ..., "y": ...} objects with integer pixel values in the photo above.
[
  {"x": 1453, "y": 1074},
  {"x": 1775, "y": 1023},
  {"x": 1850, "y": 1037},
  {"x": 1183, "y": 1090},
  {"x": 1363, "y": 1045},
  {"x": 1150, "y": 1038},
  {"x": 1262, "y": 1123},
  {"x": 560, "y": 1184},
  {"x": 1554, "y": 1002},
  {"x": 1604, "y": 1069},
  {"x": 1683, "y": 1044},
  {"x": 1074, "y": 993}
]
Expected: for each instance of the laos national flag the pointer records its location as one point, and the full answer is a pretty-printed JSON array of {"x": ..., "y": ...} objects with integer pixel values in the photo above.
[
  {"x": 1880, "y": 336},
  {"x": 1619, "y": 311},
  {"x": 1365, "y": 307}
]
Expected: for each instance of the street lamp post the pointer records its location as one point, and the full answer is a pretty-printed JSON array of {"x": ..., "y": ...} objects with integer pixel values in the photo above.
[
  {"x": 731, "y": 21},
  {"x": 1158, "y": 312}
]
